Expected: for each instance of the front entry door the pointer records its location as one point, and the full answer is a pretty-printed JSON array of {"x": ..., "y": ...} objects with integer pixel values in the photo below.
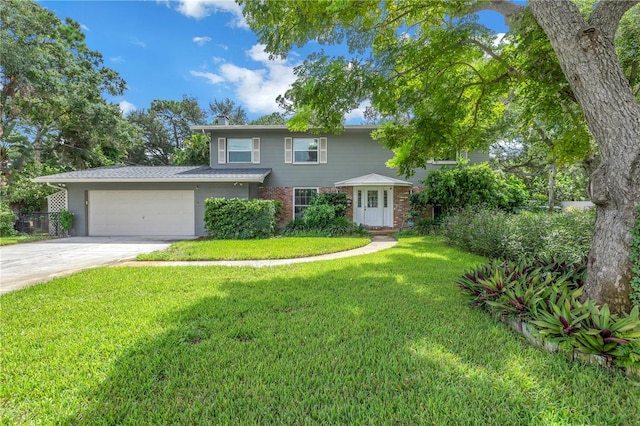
[{"x": 373, "y": 206}]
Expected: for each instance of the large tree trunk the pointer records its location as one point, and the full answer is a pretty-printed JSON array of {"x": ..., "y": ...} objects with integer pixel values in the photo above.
[{"x": 588, "y": 59}]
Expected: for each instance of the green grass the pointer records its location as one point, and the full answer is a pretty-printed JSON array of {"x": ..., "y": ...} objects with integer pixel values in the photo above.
[
  {"x": 379, "y": 339},
  {"x": 18, "y": 239},
  {"x": 274, "y": 248}
]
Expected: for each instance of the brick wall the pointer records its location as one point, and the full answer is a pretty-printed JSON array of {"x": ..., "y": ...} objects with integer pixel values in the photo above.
[
  {"x": 401, "y": 205},
  {"x": 285, "y": 196}
]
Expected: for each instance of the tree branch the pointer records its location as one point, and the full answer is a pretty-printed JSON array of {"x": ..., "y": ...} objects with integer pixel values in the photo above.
[
  {"x": 491, "y": 53},
  {"x": 607, "y": 14}
]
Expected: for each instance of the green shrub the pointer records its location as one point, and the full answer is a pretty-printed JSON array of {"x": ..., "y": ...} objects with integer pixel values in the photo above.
[
  {"x": 339, "y": 226},
  {"x": 338, "y": 200},
  {"x": 325, "y": 216},
  {"x": 475, "y": 185},
  {"x": 319, "y": 215},
  {"x": 7, "y": 220},
  {"x": 635, "y": 261},
  {"x": 495, "y": 233},
  {"x": 240, "y": 219},
  {"x": 66, "y": 220},
  {"x": 477, "y": 230}
]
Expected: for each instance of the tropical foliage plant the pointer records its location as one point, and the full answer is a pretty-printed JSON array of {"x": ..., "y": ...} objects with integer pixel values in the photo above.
[{"x": 546, "y": 293}]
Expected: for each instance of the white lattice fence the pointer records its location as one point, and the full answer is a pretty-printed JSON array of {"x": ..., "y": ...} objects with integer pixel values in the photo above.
[{"x": 56, "y": 203}]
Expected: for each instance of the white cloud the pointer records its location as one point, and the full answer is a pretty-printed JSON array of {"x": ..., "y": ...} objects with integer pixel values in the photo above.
[
  {"x": 84, "y": 27},
  {"x": 116, "y": 59},
  {"x": 256, "y": 89},
  {"x": 138, "y": 42},
  {"x": 213, "y": 78},
  {"x": 199, "y": 9},
  {"x": 201, "y": 41},
  {"x": 357, "y": 115},
  {"x": 126, "y": 107},
  {"x": 498, "y": 39}
]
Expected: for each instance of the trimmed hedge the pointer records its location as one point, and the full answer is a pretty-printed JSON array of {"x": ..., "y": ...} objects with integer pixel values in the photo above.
[{"x": 240, "y": 219}]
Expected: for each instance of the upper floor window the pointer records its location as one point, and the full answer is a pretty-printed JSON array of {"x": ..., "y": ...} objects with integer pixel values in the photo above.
[
  {"x": 238, "y": 150},
  {"x": 305, "y": 150}
]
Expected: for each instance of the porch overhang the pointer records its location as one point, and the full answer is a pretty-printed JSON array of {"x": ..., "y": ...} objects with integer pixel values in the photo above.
[{"x": 372, "y": 179}]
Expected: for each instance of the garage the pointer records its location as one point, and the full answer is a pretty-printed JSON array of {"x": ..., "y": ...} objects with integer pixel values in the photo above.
[{"x": 149, "y": 212}]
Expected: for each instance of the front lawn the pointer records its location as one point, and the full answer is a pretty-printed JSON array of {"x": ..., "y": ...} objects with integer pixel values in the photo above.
[
  {"x": 385, "y": 338},
  {"x": 17, "y": 239},
  {"x": 273, "y": 248}
]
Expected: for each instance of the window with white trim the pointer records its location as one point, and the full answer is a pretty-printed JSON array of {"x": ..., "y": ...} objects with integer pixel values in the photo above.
[
  {"x": 238, "y": 150},
  {"x": 301, "y": 199},
  {"x": 305, "y": 150}
]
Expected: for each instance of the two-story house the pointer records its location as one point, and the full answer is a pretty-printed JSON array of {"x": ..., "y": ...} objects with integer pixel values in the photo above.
[{"x": 267, "y": 162}]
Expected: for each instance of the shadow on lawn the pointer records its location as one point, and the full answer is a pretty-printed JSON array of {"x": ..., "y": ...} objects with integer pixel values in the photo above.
[{"x": 370, "y": 342}]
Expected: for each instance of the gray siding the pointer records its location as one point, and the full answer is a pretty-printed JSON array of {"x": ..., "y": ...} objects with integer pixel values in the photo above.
[
  {"x": 78, "y": 198},
  {"x": 350, "y": 154}
]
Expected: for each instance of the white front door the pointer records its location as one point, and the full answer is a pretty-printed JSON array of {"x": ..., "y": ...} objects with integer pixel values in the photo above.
[{"x": 373, "y": 206}]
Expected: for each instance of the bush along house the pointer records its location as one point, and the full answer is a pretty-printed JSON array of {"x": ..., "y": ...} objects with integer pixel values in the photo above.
[{"x": 266, "y": 162}]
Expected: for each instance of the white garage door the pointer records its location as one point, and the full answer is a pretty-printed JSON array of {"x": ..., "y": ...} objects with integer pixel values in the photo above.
[{"x": 141, "y": 213}]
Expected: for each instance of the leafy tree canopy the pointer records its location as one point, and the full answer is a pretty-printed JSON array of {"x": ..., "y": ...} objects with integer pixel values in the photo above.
[
  {"x": 227, "y": 108},
  {"x": 437, "y": 79},
  {"x": 275, "y": 118},
  {"x": 52, "y": 106},
  {"x": 164, "y": 130}
]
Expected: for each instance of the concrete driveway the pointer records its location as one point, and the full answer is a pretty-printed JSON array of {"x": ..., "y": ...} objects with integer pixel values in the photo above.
[{"x": 22, "y": 265}]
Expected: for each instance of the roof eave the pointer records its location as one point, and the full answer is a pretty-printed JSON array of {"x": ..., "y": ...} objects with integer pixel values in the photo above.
[
  {"x": 150, "y": 180},
  {"x": 376, "y": 184}
]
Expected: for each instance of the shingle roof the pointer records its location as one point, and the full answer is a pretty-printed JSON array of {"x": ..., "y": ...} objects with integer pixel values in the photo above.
[
  {"x": 373, "y": 179},
  {"x": 158, "y": 174}
]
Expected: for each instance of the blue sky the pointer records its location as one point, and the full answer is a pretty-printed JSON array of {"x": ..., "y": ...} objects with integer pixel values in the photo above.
[{"x": 203, "y": 48}]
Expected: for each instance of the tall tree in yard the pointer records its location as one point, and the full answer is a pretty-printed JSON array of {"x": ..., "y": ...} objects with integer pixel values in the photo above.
[
  {"x": 227, "y": 108},
  {"x": 432, "y": 62},
  {"x": 52, "y": 85},
  {"x": 164, "y": 129}
]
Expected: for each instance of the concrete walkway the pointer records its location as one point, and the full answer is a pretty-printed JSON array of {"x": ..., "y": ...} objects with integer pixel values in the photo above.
[{"x": 377, "y": 243}]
